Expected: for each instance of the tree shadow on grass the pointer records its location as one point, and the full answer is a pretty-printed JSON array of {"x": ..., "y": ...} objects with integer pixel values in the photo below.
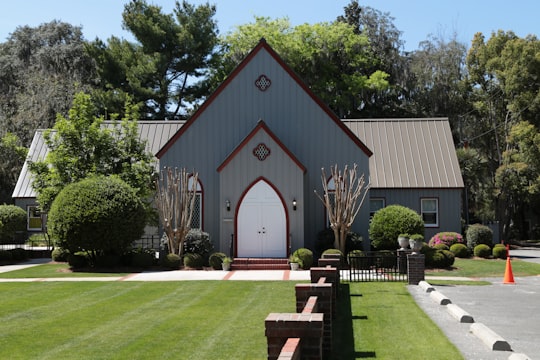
[{"x": 342, "y": 329}]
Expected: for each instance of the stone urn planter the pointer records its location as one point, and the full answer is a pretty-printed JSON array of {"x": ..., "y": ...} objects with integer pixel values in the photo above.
[
  {"x": 226, "y": 264},
  {"x": 403, "y": 241},
  {"x": 416, "y": 242}
]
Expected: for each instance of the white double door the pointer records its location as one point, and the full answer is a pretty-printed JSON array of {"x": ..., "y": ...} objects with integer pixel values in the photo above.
[{"x": 262, "y": 227}]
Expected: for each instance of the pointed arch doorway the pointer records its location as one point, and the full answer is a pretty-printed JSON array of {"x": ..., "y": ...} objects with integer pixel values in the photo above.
[{"x": 261, "y": 223}]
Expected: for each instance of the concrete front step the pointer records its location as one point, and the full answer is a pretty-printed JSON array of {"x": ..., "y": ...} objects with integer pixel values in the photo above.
[{"x": 259, "y": 264}]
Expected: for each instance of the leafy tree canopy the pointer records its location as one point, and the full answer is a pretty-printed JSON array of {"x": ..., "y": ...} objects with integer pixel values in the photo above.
[
  {"x": 330, "y": 57},
  {"x": 80, "y": 145},
  {"x": 162, "y": 69}
]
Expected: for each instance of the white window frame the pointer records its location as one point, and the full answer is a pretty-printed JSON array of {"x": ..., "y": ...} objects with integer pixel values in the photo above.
[
  {"x": 32, "y": 212},
  {"x": 428, "y": 211},
  {"x": 197, "y": 216}
]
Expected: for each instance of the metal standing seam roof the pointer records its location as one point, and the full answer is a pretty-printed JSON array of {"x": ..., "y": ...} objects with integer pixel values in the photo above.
[
  {"x": 155, "y": 133},
  {"x": 409, "y": 153}
]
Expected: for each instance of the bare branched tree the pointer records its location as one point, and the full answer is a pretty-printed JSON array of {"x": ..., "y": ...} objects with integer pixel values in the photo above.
[
  {"x": 348, "y": 197},
  {"x": 175, "y": 201}
]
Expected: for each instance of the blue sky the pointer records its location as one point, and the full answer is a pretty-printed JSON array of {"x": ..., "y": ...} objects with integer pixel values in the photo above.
[{"x": 415, "y": 18}]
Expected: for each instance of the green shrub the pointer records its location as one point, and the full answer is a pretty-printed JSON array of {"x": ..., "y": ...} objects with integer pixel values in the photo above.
[
  {"x": 6, "y": 256},
  {"x": 460, "y": 250},
  {"x": 499, "y": 251},
  {"x": 332, "y": 252},
  {"x": 450, "y": 258},
  {"x": 100, "y": 215},
  {"x": 60, "y": 254},
  {"x": 194, "y": 261},
  {"x": 198, "y": 242},
  {"x": 438, "y": 259},
  {"x": 389, "y": 222},
  {"x": 106, "y": 260},
  {"x": 171, "y": 261},
  {"x": 448, "y": 238},
  {"x": 143, "y": 258},
  {"x": 482, "y": 250},
  {"x": 12, "y": 220},
  {"x": 325, "y": 241},
  {"x": 306, "y": 256},
  {"x": 78, "y": 260},
  {"x": 479, "y": 234},
  {"x": 216, "y": 259},
  {"x": 441, "y": 247},
  {"x": 19, "y": 254}
]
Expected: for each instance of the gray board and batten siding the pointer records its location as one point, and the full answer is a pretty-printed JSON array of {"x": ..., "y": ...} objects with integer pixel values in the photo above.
[{"x": 298, "y": 120}]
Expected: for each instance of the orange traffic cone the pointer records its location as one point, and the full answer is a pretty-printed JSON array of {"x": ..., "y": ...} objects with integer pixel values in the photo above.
[{"x": 508, "y": 276}]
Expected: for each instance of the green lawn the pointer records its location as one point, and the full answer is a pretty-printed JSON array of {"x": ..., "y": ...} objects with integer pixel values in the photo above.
[
  {"x": 59, "y": 270},
  {"x": 200, "y": 320},
  {"x": 488, "y": 268}
]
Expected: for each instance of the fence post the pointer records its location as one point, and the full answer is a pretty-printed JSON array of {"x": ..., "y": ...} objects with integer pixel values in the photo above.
[{"x": 416, "y": 265}]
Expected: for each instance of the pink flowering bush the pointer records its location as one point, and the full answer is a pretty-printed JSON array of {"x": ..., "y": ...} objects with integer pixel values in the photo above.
[{"x": 447, "y": 238}]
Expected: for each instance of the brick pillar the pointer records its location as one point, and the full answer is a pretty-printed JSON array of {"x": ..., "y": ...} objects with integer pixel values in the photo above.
[
  {"x": 282, "y": 326},
  {"x": 416, "y": 265},
  {"x": 332, "y": 276},
  {"x": 325, "y": 305}
]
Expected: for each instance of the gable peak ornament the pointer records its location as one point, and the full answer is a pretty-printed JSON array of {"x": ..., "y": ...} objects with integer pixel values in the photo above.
[
  {"x": 263, "y": 82},
  {"x": 261, "y": 151}
]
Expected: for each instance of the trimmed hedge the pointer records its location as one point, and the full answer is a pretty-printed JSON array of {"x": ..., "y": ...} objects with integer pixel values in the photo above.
[
  {"x": 198, "y": 242},
  {"x": 194, "y": 261},
  {"x": 100, "y": 215},
  {"x": 305, "y": 256},
  {"x": 460, "y": 250},
  {"x": 499, "y": 251},
  {"x": 12, "y": 220},
  {"x": 171, "y": 261},
  {"x": 216, "y": 259},
  {"x": 482, "y": 250},
  {"x": 389, "y": 222}
]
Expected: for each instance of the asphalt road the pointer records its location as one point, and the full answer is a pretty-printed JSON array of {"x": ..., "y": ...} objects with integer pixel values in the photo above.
[{"x": 512, "y": 311}]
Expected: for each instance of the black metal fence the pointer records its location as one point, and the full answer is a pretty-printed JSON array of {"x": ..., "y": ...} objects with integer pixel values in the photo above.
[{"x": 377, "y": 266}]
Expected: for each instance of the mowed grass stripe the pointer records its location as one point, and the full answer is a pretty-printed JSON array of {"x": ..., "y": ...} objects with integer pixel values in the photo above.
[{"x": 145, "y": 320}]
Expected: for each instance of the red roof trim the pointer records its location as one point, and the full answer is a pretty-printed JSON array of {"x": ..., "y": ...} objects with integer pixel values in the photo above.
[
  {"x": 264, "y": 45},
  {"x": 261, "y": 125}
]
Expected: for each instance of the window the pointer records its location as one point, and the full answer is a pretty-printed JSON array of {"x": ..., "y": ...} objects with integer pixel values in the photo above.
[
  {"x": 34, "y": 218},
  {"x": 196, "y": 219},
  {"x": 430, "y": 212},
  {"x": 375, "y": 204}
]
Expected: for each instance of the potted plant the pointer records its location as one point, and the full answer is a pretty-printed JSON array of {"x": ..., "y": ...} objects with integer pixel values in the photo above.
[
  {"x": 416, "y": 241},
  {"x": 226, "y": 264},
  {"x": 294, "y": 262},
  {"x": 403, "y": 240}
]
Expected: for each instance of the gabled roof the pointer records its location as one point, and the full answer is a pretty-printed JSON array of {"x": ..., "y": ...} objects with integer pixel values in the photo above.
[
  {"x": 263, "y": 45},
  {"x": 409, "y": 153},
  {"x": 155, "y": 133},
  {"x": 261, "y": 126}
]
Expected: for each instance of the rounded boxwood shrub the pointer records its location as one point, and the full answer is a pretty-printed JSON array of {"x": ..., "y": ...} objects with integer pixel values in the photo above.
[
  {"x": 450, "y": 258},
  {"x": 440, "y": 259},
  {"x": 479, "y": 234},
  {"x": 447, "y": 238},
  {"x": 171, "y": 261},
  {"x": 305, "y": 256},
  {"x": 194, "y": 261},
  {"x": 441, "y": 247},
  {"x": 100, "y": 215},
  {"x": 216, "y": 259},
  {"x": 12, "y": 220},
  {"x": 482, "y": 250},
  {"x": 389, "y": 222},
  {"x": 499, "y": 251},
  {"x": 60, "y": 254},
  {"x": 460, "y": 250}
]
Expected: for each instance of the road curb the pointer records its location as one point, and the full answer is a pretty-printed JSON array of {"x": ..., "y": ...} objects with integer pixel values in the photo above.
[{"x": 490, "y": 338}]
